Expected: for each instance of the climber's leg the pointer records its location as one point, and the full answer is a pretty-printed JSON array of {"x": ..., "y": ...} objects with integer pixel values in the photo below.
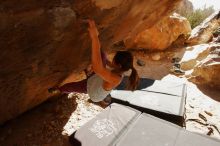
[{"x": 80, "y": 87}]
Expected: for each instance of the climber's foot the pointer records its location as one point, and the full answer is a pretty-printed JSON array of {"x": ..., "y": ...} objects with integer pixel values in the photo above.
[
  {"x": 106, "y": 102},
  {"x": 179, "y": 72},
  {"x": 54, "y": 90}
]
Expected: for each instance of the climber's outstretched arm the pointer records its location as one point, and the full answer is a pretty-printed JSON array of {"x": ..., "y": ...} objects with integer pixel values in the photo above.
[{"x": 97, "y": 63}]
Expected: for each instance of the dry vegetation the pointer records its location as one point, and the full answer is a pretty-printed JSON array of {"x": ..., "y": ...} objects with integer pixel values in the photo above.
[{"x": 197, "y": 16}]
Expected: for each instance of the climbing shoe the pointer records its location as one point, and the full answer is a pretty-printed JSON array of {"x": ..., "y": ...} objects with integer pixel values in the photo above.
[
  {"x": 108, "y": 100},
  {"x": 54, "y": 90},
  {"x": 177, "y": 71}
]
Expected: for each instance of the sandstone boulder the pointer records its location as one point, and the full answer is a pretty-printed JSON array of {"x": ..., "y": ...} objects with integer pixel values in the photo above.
[
  {"x": 194, "y": 54},
  {"x": 203, "y": 32},
  {"x": 44, "y": 42},
  {"x": 161, "y": 35},
  {"x": 206, "y": 73}
]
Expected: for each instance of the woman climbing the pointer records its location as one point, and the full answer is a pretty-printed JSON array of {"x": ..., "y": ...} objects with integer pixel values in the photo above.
[{"x": 100, "y": 84}]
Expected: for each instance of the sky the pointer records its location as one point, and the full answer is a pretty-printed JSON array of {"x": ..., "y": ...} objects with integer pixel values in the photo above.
[{"x": 200, "y": 3}]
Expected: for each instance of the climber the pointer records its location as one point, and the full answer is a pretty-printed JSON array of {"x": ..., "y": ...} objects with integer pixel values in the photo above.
[{"x": 100, "y": 84}]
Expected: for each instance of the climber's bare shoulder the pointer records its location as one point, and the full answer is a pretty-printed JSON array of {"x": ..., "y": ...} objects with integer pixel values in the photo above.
[{"x": 110, "y": 78}]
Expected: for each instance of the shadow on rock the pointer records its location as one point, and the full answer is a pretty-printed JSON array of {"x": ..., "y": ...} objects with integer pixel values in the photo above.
[{"x": 42, "y": 125}]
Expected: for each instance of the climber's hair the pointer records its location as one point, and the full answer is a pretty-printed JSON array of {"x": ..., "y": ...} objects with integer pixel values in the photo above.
[{"x": 125, "y": 60}]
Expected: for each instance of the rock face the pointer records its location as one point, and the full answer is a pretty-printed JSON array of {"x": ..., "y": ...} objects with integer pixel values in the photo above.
[
  {"x": 201, "y": 59},
  {"x": 43, "y": 42},
  {"x": 161, "y": 35},
  {"x": 203, "y": 64},
  {"x": 206, "y": 73},
  {"x": 203, "y": 32},
  {"x": 194, "y": 55}
]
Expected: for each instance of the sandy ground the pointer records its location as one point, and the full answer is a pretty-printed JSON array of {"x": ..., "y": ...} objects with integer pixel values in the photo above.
[
  {"x": 51, "y": 123},
  {"x": 202, "y": 112}
]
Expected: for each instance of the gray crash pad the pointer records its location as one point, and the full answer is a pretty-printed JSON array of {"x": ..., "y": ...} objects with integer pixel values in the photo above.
[
  {"x": 166, "y": 97},
  {"x": 160, "y": 102},
  {"x": 186, "y": 138},
  {"x": 148, "y": 130},
  {"x": 106, "y": 127},
  {"x": 119, "y": 125},
  {"x": 152, "y": 131},
  {"x": 166, "y": 87},
  {"x": 171, "y": 88}
]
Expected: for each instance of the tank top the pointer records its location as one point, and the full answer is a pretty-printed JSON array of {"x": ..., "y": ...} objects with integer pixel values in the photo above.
[{"x": 95, "y": 89}]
